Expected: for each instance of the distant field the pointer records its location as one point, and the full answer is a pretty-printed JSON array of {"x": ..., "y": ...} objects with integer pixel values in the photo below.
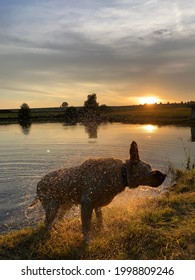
[
  {"x": 45, "y": 115},
  {"x": 151, "y": 114},
  {"x": 156, "y": 114}
]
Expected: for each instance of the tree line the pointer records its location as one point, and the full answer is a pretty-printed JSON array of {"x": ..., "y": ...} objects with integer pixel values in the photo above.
[{"x": 90, "y": 112}]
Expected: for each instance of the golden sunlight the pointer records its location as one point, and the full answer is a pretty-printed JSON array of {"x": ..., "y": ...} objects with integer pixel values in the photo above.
[{"x": 148, "y": 100}]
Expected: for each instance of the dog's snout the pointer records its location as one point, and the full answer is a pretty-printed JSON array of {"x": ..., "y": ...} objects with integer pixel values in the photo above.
[
  {"x": 159, "y": 174},
  {"x": 164, "y": 176},
  {"x": 157, "y": 178}
]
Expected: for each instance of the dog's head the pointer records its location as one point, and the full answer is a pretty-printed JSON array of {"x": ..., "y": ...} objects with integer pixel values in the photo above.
[{"x": 141, "y": 173}]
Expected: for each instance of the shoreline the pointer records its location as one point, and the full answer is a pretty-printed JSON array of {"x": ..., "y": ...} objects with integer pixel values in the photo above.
[{"x": 184, "y": 122}]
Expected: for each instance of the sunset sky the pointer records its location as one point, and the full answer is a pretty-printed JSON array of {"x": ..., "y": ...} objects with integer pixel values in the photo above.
[{"x": 122, "y": 50}]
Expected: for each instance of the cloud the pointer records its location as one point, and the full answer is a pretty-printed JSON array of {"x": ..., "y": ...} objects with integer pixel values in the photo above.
[{"x": 118, "y": 48}]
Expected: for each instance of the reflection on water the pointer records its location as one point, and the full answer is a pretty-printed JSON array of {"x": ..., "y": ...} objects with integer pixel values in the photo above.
[
  {"x": 91, "y": 129},
  {"x": 25, "y": 127},
  {"x": 149, "y": 128},
  {"x": 26, "y": 157}
]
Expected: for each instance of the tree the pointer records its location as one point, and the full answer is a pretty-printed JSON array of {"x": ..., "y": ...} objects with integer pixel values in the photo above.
[
  {"x": 24, "y": 114},
  {"x": 91, "y": 102},
  {"x": 91, "y": 110},
  {"x": 64, "y": 104},
  {"x": 24, "y": 106}
]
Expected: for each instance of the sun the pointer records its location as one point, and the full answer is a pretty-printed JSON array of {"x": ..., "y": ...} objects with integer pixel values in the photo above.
[{"x": 149, "y": 100}]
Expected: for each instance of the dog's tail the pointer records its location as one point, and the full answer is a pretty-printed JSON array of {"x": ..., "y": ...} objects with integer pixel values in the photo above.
[
  {"x": 31, "y": 206},
  {"x": 33, "y": 203}
]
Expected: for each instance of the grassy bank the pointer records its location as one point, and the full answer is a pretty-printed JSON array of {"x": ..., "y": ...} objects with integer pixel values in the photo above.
[{"x": 157, "y": 228}]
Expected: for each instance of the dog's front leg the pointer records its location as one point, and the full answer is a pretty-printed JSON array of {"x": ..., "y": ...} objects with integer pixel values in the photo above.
[
  {"x": 51, "y": 209},
  {"x": 86, "y": 213}
]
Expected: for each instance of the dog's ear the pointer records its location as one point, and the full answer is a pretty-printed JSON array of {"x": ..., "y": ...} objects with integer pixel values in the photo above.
[{"x": 134, "y": 153}]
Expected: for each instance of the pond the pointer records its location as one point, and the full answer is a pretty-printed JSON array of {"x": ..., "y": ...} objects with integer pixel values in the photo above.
[{"x": 29, "y": 153}]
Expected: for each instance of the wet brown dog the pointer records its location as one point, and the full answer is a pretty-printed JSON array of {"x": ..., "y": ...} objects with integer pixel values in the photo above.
[{"x": 93, "y": 184}]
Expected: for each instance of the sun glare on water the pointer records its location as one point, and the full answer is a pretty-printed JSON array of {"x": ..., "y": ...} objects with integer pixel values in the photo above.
[
  {"x": 149, "y": 100},
  {"x": 149, "y": 128}
]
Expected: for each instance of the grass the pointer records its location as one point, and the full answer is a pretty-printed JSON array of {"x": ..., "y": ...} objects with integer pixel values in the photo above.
[{"x": 157, "y": 228}]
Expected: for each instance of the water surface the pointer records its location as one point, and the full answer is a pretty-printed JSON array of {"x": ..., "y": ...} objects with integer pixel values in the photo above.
[{"x": 27, "y": 154}]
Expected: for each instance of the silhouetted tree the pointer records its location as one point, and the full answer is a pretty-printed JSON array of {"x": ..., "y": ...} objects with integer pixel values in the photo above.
[
  {"x": 91, "y": 102},
  {"x": 91, "y": 108},
  {"x": 64, "y": 105},
  {"x": 24, "y": 114}
]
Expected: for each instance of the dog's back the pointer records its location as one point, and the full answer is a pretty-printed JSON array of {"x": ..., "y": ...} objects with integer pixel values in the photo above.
[{"x": 93, "y": 178}]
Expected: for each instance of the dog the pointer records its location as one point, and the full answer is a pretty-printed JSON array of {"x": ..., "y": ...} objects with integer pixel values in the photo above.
[{"x": 93, "y": 184}]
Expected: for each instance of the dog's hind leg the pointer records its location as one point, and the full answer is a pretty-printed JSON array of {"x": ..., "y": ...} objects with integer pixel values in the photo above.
[
  {"x": 62, "y": 211},
  {"x": 99, "y": 217}
]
